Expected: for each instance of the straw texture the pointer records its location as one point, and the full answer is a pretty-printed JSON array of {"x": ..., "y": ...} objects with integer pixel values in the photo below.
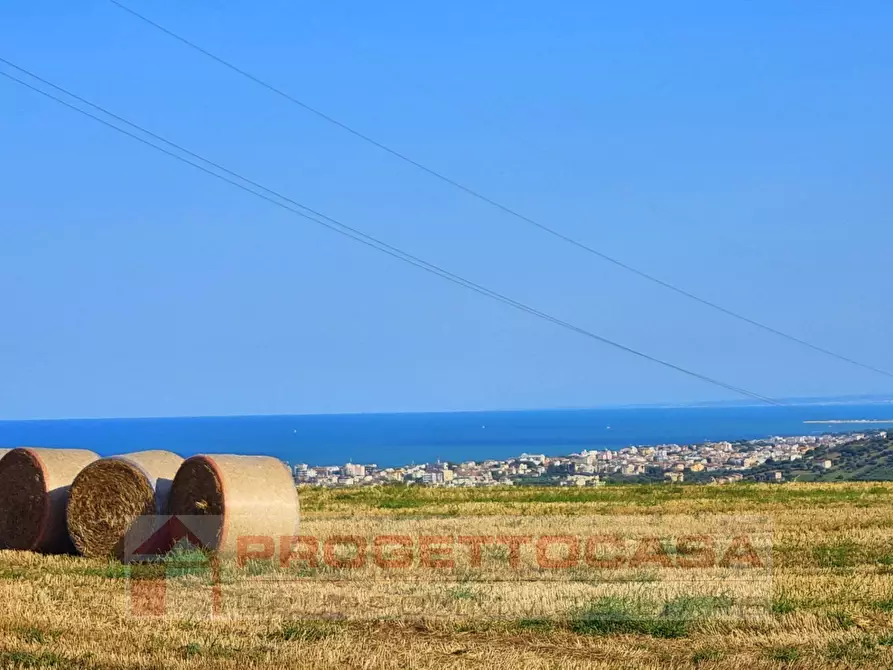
[
  {"x": 34, "y": 488},
  {"x": 110, "y": 494},
  {"x": 240, "y": 495}
]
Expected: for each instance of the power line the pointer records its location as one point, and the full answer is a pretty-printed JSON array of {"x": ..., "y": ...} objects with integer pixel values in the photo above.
[
  {"x": 291, "y": 205},
  {"x": 494, "y": 203}
]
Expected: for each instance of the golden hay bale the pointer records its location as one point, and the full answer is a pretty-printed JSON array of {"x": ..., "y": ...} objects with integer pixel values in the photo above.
[
  {"x": 34, "y": 486},
  {"x": 111, "y": 493},
  {"x": 242, "y": 495}
]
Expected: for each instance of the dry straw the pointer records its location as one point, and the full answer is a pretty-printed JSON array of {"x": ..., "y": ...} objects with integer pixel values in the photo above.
[
  {"x": 110, "y": 494},
  {"x": 34, "y": 487},
  {"x": 240, "y": 496}
]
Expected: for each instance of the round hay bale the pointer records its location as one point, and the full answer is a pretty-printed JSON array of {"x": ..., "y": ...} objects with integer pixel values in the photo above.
[
  {"x": 111, "y": 493},
  {"x": 239, "y": 496},
  {"x": 34, "y": 487}
]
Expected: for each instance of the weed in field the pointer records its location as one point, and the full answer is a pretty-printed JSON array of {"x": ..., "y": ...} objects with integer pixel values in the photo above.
[
  {"x": 35, "y": 635},
  {"x": 851, "y": 650},
  {"x": 12, "y": 574},
  {"x": 192, "y": 649},
  {"x": 841, "y": 619},
  {"x": 782, "y": 604},
  {"x": 842, "y": 554},
  {"x": 400, "y": 503},
  {"x": 305, "y": 631},
  {"x": 112, "y": 570},
  {"x": 462, "y": 593},
  {"x": 785, "y": 654},
  {"x": 617, "y": 616},
  {"x": 42, "y": 659},
  {"x": 883, "y": 605},
  {"x": 695, "y": 607}
]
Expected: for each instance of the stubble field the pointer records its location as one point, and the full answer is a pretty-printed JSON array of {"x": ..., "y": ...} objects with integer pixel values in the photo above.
[{"x": 742, "y": 576}]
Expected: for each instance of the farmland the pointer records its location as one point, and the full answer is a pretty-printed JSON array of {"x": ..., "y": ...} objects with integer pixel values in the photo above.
[{"x": 822, "y": 596}]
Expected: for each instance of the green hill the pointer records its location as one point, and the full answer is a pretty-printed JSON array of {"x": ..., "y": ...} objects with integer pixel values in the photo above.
[{"x": 870, "y": 459}]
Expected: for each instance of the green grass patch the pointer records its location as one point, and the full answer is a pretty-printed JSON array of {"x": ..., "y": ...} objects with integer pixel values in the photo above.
[
  {"x": 35, "y": 635},
  {"x": 111, "y": 570},
  {"x": 618, "y": 616},
  {"x": 841, "y": 619},
  {"x": 192, "y": 650},
  {"x": 461, "y": 593},
  {"x": 843, "y": 554},
  {"x": 41, "y": 659},
  {"x": 12, "y": 574},
  {"x": 784, "y": 654},
  {"x": 851, "y": 650},
  {"x": 782, "y": 604}
]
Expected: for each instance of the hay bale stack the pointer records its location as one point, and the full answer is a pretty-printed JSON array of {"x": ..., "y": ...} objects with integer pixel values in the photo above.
[
  {"x": 34, "y": 487},
  {"x": 242, "y": 495},
  {"x": 111, "y": 493}
]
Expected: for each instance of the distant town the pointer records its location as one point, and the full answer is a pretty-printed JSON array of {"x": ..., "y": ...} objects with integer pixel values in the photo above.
[{"x": 708, "y": 462}]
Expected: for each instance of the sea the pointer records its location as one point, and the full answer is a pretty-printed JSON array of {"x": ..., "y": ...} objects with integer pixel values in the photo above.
[{"x": 399, "y": 439}]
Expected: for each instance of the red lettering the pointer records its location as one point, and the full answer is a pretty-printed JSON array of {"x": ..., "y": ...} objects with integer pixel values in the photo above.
[
  {"x": 358, "y": 542},
  {"x": 695, "y": 551},
  {"x": 650, "y": 551},
  {"x": 432, "y": 553},
  {"x": 542, "y": 551},
  {"x": 309, "y": 553},
  {"x": 400, "y": 558},
  {"x": 513, "y": 542},
  {"x": 740, "y": 554},
  {"x": 596, "y": 559},
  {"x": 474, "y": 543},
  {"x": 244, "y": 552}
]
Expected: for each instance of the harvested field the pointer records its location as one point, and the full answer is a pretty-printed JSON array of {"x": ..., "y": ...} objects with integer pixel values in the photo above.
[{"x": 822, "y": 597}]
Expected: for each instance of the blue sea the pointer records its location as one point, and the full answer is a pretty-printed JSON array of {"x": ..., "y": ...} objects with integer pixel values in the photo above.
[{"x": 396, "y": 439}]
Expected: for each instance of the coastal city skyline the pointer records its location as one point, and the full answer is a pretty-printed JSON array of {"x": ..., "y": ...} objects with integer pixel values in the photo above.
[{"x": 588, "y": 467}]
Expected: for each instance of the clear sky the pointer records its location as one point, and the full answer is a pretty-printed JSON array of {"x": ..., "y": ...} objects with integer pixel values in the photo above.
[{"x": 742, "y": 150}]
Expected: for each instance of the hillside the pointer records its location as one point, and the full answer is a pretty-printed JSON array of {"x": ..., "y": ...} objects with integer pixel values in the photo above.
[{"x": 870, "y": 459}]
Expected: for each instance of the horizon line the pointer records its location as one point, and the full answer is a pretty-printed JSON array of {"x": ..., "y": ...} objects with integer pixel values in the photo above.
[{"x": 703, "y": 404}]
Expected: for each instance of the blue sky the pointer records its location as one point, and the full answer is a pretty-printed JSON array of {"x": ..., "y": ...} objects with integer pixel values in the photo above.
[{"x": 740, "y": 150}]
